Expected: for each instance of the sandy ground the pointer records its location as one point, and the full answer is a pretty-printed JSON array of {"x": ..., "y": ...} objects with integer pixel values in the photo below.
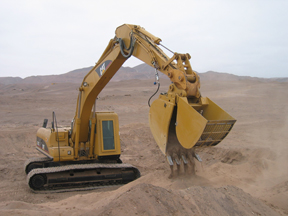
[{"x": 244, "y": 175}]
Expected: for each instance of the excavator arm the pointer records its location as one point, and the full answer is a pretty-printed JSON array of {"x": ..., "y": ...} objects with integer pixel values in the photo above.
[{"x": 179, "y": 119}]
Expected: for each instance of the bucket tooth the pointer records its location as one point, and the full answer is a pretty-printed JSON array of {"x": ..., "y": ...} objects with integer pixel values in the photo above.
[
  {"x": 176, "y": 159},
  {"x": 170, "y": 161},
  {"x": 191, "y": 158},
  {"x": 178, "y": 162},
  {"x": 185, "y": 162},
  {"x": 197, "y": 157},
  {"x": 184, "y": 159}
]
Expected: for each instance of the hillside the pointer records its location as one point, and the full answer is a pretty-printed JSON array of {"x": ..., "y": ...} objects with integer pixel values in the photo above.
[
  {"x": 142, "y": 71},
  {"x": 76, "y": 76}
]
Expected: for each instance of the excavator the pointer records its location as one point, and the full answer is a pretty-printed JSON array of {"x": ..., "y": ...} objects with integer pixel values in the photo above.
[{"x": 87, "y": 154}]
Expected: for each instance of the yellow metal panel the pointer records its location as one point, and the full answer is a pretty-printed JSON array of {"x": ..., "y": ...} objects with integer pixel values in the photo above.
[
  {"x": 62, "y": 136},
  {"x": 214, "y": 112},
  {"x": 218, "y": 126},
  {"x": 159, "y": 119},
  {"x": 189, "y": 124},
  {"x": 66, "y": 153}
]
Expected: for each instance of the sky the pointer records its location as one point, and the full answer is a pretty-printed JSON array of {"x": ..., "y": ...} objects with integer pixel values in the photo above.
[{"x": 241, "y": 37}]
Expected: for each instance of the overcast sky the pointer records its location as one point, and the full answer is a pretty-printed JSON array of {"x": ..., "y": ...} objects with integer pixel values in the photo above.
[{"x": 242, "y": 37}]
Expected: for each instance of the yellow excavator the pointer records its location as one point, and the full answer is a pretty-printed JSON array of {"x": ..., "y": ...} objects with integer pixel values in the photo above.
[{"x": 87, "y": 154}]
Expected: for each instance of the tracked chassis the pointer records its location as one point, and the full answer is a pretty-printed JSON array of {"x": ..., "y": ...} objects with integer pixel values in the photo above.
[{"x": 76, "y": 177}]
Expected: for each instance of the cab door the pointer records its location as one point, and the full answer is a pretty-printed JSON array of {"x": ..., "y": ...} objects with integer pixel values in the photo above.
[{"x": 107, "y": 136}]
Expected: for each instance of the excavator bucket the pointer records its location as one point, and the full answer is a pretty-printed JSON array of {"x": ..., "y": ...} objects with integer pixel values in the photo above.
[
  {"x": 202, "y": 124},
  {"x": 180, "y": 127},
  {"x": 189, "y": 124},
  {"x": 159, "y": 119}
]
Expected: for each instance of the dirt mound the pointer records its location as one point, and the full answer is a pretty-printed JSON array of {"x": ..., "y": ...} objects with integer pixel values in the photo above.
[{"x": 147, "y": 199}]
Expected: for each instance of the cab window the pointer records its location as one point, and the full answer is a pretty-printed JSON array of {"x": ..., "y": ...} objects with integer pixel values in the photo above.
[{"x": 108, "y": 135}]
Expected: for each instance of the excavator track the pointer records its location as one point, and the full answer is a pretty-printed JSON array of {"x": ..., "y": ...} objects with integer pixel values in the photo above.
[
  {"x": 30, "y": 163},
  {"x": 80, "y": 177}
]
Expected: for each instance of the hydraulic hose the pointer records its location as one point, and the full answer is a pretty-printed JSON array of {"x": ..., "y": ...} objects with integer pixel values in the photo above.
[
  {"x": 130, "y": 48},
  {"x": 154, "y": 94}
]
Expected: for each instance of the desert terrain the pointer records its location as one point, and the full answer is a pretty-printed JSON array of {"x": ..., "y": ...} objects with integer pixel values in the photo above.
[{"x": 246, "y": 174}]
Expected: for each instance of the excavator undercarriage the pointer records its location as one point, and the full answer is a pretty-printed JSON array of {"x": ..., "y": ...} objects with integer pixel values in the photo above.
[{"x": 45, "y": 176}]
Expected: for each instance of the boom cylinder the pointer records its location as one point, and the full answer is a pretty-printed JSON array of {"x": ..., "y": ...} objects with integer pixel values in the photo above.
[
  {"x": 77, "y": 125},
  {"x": 92, "y": 134}
]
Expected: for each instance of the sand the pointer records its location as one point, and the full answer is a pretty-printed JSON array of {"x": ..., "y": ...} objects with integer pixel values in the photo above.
[{"x": 246, "y": 174}]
